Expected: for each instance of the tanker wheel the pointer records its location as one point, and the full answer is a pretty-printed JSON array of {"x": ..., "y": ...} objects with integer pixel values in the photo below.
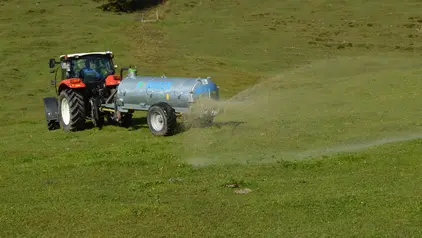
[
  {"x": 161, "y": 119},
  {"x": 71, "y": 110}
]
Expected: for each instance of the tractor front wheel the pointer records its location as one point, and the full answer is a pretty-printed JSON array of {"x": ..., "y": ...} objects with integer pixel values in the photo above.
[{"x": 71, "y": 110}]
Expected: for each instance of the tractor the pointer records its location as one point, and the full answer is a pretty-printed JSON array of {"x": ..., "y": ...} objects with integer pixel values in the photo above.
[{"x": 86, "y": 81}]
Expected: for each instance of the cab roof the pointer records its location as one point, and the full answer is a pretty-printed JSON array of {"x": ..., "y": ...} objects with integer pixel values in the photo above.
[{"x": 76, "y": 55}]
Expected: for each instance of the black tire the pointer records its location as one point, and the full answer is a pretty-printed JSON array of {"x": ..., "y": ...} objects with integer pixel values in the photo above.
[
  {"x": 53, "y": 125},
  {"x": 166, "y": 115},
  {"x": 76, "y": 105},
  {"x": 101, "y": 121},
  {"x": 110, "y": 120},
  {"x": 126, "y": 120}
]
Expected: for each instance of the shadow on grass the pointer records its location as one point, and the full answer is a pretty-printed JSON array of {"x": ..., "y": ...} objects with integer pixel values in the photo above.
[
  {"x": 130, "y": 6},
  {"x": 233, "y": 124},
  {"x": 228, "y": 123},
  {"x": 141, "y": 123},
  {"x": 136, "y": 124}
]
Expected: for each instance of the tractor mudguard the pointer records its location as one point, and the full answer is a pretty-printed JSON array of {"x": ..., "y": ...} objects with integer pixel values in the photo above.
[
  {"x": 72, "y": 83},
  {"x": 51, "y": 109},
  {"x": 112, "y": 80}
]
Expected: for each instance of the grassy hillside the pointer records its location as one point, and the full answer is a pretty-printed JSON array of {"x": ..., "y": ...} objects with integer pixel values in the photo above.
[
  {"x": 299, "y": 80},
  {"x": 238, "y": 42}
]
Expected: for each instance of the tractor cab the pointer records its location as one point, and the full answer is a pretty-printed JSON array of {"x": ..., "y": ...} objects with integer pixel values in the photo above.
[
  {"x": 84, "y": 70},
  {"x": 93, "y": 67}
]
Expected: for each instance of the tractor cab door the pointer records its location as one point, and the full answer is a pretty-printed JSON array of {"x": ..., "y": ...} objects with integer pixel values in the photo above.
[{"x": 65, "y": 70}]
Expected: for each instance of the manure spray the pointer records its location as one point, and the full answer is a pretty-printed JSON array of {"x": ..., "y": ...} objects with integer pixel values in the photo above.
[{"x": 307, "y": 113}]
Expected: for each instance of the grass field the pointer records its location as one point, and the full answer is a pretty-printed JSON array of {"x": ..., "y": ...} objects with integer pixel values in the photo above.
[{"x": 321, "y": 122}]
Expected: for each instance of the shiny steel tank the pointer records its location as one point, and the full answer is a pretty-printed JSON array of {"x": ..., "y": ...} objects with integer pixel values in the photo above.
[{"x": 141, "y": 92}]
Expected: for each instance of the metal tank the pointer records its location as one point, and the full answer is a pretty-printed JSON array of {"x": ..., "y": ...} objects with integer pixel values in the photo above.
[{"x": 141, "y": 92}]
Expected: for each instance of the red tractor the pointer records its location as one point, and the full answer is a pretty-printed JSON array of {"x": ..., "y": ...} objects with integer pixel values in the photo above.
[{"x": 87, "y": 81}]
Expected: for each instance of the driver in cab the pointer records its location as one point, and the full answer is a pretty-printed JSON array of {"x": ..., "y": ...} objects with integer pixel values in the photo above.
[{"x": 87, "y": 71}]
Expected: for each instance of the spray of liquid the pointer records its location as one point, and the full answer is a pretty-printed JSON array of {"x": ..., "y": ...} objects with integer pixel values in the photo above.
[{"x": 339, "y": 105}]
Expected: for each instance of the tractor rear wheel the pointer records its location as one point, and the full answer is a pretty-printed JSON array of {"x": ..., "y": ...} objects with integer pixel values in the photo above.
[
  {"x": 71, "y": 110},
  {"x": 161, "y": 119}
]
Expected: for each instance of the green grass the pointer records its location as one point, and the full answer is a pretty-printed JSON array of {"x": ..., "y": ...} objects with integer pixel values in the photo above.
[{"x": 325, "y": 81}]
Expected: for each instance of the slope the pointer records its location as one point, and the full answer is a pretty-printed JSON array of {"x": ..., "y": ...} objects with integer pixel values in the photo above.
[{"x": 330, "y": 76}]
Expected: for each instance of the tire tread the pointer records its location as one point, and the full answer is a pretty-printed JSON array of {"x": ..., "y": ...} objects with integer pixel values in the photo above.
[
  {"x": 77, "y": 109},
  {"x": 171, "y": 118}
]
